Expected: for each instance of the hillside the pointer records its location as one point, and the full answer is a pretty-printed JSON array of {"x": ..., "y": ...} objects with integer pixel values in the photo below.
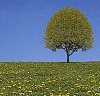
[{"x": 49, "y": 79}]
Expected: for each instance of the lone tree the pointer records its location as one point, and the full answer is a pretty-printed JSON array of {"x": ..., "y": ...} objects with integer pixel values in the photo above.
[{"x": 69, "y": 30}]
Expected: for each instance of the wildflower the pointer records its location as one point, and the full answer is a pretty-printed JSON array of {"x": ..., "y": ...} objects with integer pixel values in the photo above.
[
  {"x": 60, "y": 94},
  {"x": 30, "y": 91},
  {"x": 28, "y": 72},
  {"x": 19, "y": 87},
  {"x": 53, "y": 80},
  {"x": 12, "y": 81},
  {"x": 46, "y": 88},
  {"x": 76, "y": 84},
  {"x": 97, "y": 94},
  {"x": 43, "y": 84},
  {"x": 14, "y": 84},
  {"x": 21, "y": 93},
  {"x": 49, "y": 81},
  {"x": 99, "y": 87},
  {"x": 77, "y": 79},
  {"x": 51, "y": 94},
  {"x": 3, "y": 88},
  {"x": 41, "y": 93},
  {"x": 1, "y": 93},
  {"x": 66, "y": 90},
  {"x": 14, "y": 92},
  {"x": 9, "y": 86},
  {"x": 89, "y": 91},
  {"x": 53, "y": 90}
]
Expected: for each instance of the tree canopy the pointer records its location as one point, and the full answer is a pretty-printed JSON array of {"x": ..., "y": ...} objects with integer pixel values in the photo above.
[{"x": 69, "y": 30}]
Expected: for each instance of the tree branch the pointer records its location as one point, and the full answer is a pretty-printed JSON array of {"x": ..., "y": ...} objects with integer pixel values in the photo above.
[
  {"x": 72, "y": 52},
  {"x": 75, "y": 49}
]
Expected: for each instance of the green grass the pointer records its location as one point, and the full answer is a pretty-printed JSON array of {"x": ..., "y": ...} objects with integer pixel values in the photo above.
[{"x": 49, "y": 79}]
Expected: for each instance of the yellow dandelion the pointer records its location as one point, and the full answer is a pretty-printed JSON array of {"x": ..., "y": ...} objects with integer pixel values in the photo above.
[
  {"x": 51, "y": 94},
  {"x": 89, "y": 91},
  {"x": 53, "y": 80},
  {"x": 21, "y": 93},
  {"x": 14, "y": 92},
  {"x": 60, "y": 94},
  {"x": 43, "y": 84},
  {"x": 97, "y": 94},
  {"x": 9, "y": 86},
  {"x": 77, "y": 79},
  {"x": 19, "y": 87},
  {"x": 14, "y": 84},
  {"x": 1, "y": 93},
  {"x": 41, "y": 93},
  {"x": 30, "y": 91},
  {"x": 3, "y": 88},
  {"x": 99, "y": 87},
  {"x": 68, "y": 94},
  {"x": 49, "y": 81},
  {"x": 46, "y": 88},
  {"x": 53, "y": 90}
]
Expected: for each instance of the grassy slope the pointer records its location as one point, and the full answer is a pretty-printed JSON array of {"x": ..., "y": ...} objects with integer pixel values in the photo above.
[{"x": 27, "y": 78}]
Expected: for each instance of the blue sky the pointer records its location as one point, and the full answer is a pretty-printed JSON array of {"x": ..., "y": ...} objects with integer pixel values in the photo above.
[{"x": 23, "y": 24}]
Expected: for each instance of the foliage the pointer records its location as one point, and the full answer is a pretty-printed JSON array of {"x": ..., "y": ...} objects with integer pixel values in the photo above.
[
  {"x": 49, "y": 79},
  {"x": 70, "y": 30}
]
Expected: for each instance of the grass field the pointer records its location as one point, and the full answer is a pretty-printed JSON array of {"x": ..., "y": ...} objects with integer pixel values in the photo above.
[{"x": 49, "y": 79}]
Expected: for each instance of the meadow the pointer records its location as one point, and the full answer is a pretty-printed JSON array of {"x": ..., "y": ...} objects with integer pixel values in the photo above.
[{"x": 49, "y": 79}]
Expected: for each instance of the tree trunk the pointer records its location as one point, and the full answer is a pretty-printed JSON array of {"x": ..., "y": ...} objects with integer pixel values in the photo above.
[
  {"x": 67, "y": 52},
  {"x": 67, "y": 58}
]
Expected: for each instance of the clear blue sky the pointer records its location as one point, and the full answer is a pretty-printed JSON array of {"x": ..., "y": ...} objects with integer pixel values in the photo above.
[{"x": 23, "y": 24}]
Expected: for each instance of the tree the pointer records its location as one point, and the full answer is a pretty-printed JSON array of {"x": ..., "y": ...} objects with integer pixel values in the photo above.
[{"x": 69, "y": 30}]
